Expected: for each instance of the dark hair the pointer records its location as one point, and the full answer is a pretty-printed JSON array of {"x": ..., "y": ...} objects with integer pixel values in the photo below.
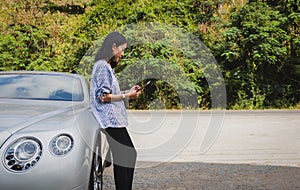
[{"x": 105, "y": 52}]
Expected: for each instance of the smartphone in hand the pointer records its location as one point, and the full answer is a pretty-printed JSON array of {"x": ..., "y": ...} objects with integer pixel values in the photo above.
[{"x": 142, "y": 88}]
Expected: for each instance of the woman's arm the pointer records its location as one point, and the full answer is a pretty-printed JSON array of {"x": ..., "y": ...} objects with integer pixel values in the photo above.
[{"x": 130, "y": 94}]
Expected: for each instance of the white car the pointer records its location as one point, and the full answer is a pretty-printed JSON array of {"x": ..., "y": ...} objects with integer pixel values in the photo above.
[{"x": 49, "y": 138}]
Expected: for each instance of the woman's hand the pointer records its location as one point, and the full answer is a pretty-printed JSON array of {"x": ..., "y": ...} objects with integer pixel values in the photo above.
[
  {"x": 136, "y": 88},
  {"x": 134, "y": 92}
]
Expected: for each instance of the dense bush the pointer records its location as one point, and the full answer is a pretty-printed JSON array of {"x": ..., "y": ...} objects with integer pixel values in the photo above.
[{"x": 256, "y": 45}]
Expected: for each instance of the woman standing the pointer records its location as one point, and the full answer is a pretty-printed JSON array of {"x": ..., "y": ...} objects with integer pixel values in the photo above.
[{"x": 107, "y": 102}]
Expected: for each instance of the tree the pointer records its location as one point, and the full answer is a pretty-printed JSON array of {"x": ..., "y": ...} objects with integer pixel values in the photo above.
[
  {"x": 36, "y": 35},
  {"x": 253, "y": 52}
]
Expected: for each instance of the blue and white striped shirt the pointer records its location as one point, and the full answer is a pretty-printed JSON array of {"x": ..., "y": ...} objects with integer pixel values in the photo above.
[{"x": 104, "y": 81}]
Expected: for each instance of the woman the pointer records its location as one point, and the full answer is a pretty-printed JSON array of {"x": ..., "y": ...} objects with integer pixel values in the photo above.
[{"x": 107, "y": 102}]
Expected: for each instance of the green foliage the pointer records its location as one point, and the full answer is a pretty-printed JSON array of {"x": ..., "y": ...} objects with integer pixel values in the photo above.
[
  {"x": 256, "y": 44},
  {"x": 23, "y": 45},
  {"x": 255, "y": 55}
]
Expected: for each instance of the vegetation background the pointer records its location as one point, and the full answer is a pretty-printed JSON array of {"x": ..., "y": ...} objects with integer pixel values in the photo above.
[{"x": 255, "y": 42}]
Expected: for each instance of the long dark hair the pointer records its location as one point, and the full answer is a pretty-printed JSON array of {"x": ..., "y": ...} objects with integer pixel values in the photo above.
[{"x": 105, "y": 52}]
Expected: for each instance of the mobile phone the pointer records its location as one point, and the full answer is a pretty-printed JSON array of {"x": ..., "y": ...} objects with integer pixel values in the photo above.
[{"x": 142, "y": 88}]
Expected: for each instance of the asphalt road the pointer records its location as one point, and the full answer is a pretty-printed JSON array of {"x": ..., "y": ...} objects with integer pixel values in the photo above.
[
  {"x": 215, "y": 150},
  {"x": 208, "y": 176},
  {"x": 243, "y": 137}
]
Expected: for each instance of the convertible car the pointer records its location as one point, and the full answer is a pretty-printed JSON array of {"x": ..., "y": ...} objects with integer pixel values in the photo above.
[{"x": 49, "y": 139}]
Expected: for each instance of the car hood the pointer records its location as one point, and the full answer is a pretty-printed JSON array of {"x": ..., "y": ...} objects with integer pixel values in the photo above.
[{"x": 17, "y": 116}]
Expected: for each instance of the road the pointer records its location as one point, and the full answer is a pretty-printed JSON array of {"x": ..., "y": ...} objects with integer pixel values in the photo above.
[
  {"x": 251, "y": 137},
  {"x": 214, "y": 150}
]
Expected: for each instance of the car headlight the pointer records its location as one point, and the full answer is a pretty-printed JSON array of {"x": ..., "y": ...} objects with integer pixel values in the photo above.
[
  {"x": 22, "y": 154},
  {"x": 61, "y": 144}
]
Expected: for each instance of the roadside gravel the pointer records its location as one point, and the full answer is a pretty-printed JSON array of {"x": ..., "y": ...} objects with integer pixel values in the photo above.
[{"x": 204, "y": 176}]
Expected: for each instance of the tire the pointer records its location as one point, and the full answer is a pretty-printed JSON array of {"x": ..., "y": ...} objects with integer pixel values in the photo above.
[
  {"x": 107, "y": 161},
  {"x": 95, "y": 182}
]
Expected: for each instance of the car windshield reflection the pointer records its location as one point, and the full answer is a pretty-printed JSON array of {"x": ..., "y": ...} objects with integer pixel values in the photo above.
[{"x": 41, "y": 87}]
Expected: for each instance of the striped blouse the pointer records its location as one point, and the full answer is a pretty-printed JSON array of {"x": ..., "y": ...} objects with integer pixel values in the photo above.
[{"x": 104, "y": 81}]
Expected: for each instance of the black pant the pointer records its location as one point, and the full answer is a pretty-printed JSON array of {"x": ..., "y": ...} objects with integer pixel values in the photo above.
[{"x": 123, "y": 155}]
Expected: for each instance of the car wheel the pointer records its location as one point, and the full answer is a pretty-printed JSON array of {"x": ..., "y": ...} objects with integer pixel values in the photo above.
[
  {"x": 96, "y": 170},
  {"x": 107, "y": 161}
]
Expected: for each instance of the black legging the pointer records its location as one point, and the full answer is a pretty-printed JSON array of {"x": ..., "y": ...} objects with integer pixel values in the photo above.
[{"x": 124, "y": 157}]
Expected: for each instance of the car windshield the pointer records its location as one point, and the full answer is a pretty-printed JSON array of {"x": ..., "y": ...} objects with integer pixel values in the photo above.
[{"x": 41, "y": 87}]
